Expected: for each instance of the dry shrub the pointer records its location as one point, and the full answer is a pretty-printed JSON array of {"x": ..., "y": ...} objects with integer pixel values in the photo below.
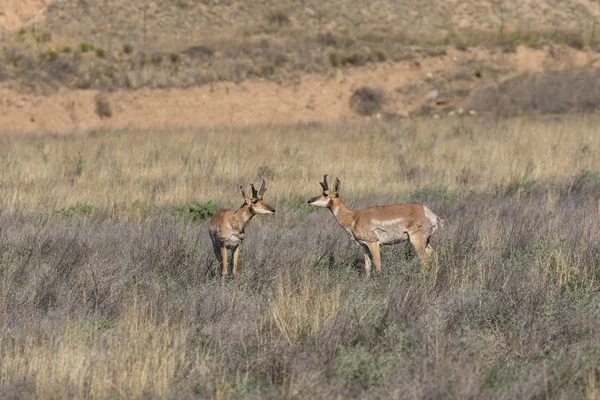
[
  {"x": 200, "y": 52},
  {"x": 103, "y": 108},
  {"x": 552, "y": 93},
  {"x": 366, "y": 100}
]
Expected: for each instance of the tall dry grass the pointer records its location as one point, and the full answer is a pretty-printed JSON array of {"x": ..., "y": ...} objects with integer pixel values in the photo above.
[{"x": 127, "y": 173}]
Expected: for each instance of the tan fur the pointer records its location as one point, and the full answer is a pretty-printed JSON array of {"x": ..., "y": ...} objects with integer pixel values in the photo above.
[
  {"x": 226, "y": 228},
  {"x": 381, "y": 225}
]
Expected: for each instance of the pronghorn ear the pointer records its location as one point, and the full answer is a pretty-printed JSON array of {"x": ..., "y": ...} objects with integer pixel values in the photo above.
[
  {"x": 263, "y": 189},
  {"x": 336, "y": 187},
  {"x": 243, "y": 193}
]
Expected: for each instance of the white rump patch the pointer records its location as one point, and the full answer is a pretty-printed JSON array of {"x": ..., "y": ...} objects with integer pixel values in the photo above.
[{"x": 430, "y": 216}]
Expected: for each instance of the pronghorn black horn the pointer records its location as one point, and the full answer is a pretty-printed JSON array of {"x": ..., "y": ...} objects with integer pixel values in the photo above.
[
  {"x": 324, "y": 183},
  {"x": 263, "y": 189},
  {"x": 254, "y": 192}
]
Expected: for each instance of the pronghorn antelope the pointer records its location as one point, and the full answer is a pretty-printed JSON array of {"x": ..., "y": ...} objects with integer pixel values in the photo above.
[
  {"x": 380, "y": 225},
  {"x": 226, "y": 227}
]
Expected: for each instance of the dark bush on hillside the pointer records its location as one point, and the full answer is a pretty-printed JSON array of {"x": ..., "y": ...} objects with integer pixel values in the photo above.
[
  {"x": 553, "y": 93},
  {"x": 200, "y": 52},
  {"x": 366, "y": 101},
  {"x": 103, "y": 107}
]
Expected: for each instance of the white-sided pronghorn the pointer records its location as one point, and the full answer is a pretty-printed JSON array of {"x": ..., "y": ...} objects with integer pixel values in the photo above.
[{"x": 381, "y": 225}]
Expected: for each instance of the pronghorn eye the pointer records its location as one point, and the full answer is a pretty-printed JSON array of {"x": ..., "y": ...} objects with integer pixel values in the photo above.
[{"x": 254, "y": 201}]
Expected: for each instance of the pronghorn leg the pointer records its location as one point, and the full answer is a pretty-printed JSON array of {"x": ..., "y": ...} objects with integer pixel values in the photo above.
[
  {"x": 236, "y": 257},
  {"x": 224, "y": 262},
  {"x": 416, "y": 239},
  {"x": 367, "y": 261},
  {"x": 375, "y": 255},
  {"x": 428, "y": 249}
]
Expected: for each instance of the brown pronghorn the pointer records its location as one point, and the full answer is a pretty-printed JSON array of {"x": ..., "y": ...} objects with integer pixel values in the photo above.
[
  {"x": 380, "y": 225},
  {"x": 226, "y": 227}
]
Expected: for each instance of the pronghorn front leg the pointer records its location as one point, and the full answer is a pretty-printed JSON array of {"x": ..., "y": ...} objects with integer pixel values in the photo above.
[
  {"x": 236, "y": 257},
  {"x": 224, "y": 261},
  {"x": 375, "y": 255}
]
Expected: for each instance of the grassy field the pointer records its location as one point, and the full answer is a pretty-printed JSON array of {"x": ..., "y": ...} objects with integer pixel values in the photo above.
[
  {"x": 131, "y": 174},
  {"x": 108, "y": 287}
]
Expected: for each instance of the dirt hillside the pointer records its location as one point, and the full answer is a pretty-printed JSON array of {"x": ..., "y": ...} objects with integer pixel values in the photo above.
[{"x": 312, "y": 98}]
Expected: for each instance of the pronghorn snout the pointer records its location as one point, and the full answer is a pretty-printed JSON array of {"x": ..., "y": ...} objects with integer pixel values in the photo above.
[{"x": 319, "y": 201}]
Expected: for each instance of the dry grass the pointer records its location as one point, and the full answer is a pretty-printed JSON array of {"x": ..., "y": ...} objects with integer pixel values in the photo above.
[
  {"x": 103, "y": 297},
  {"x": 78, "y": 359},
  {"x": 127, "y": 174}
]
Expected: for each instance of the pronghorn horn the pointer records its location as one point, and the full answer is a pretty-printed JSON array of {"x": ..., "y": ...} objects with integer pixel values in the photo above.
[
  {"x": 263, "y": 189},
  {"x": 324, "y": 183},
  {"x": 254, "y": 192}
]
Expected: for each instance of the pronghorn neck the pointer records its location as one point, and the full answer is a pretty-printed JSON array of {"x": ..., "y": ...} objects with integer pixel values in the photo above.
[
  {"x": 244, "y": 215},
  {"x": 345, "y": 216}
]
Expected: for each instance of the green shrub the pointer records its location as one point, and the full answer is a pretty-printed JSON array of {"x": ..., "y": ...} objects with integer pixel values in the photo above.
[
  {"x": 380, "y": 55},
  {"x": 100, "y": 52},
  {"x": 67, "y": 49},
  {"x": 174, "y": 57},
  {"x": 50, "y": 55},
  {"x": 127, "y": 48},
  {"x": 202, "y": 211},
  {"x": 334, "y": 60},
  {"x": 81, "y": 208},
  {"x": 361, "y": 369},
  {"x": 267, "y": 70},
  {"x": 85, "y": 47}
]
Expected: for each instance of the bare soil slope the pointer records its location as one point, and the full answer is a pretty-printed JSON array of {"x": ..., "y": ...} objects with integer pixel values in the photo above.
[{"x": 407, "y": 88}]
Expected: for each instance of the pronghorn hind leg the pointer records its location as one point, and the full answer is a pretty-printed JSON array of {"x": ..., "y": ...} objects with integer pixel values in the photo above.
[
  {"x": 367, "y": 261},
  {"x": 224, "y": 263},
  {"x": 375, "y": 255},
  {"x": 236, "y": 257},
  {"x": 416, "y": 239}
]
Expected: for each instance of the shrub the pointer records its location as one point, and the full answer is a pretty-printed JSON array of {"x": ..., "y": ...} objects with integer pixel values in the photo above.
[
  {"x": 334, "y": 60},
  {"x": 100, "y": 52},
  {"x": 360, "y": 368},
  {"x": 50, "y": 55},
  {"x": 67, "y": 49},
  {"x": 354, "y": 59},
  {"x": 267, "y": 70},
  {"x": 200, "y": 52},
  {"x": 366, "y": 101},
  {"x": 156, "y": 58},
  {"x": 127, "y": 48},
  {"x": 202, "y": 211},
  {"x": 278, "y": 17},
  {"x": 380, "y": 55},
  {"x": 80, "y": 208},
  {"x": 103, "y": 107},
  {"x": 85, "y": 47},
  {"x": 174, "y": 57}
]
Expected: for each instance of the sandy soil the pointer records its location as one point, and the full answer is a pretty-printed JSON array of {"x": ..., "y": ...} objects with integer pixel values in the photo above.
[
  {"x": 17, "y": 13},
  {"x": 313, "y": 98}
]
